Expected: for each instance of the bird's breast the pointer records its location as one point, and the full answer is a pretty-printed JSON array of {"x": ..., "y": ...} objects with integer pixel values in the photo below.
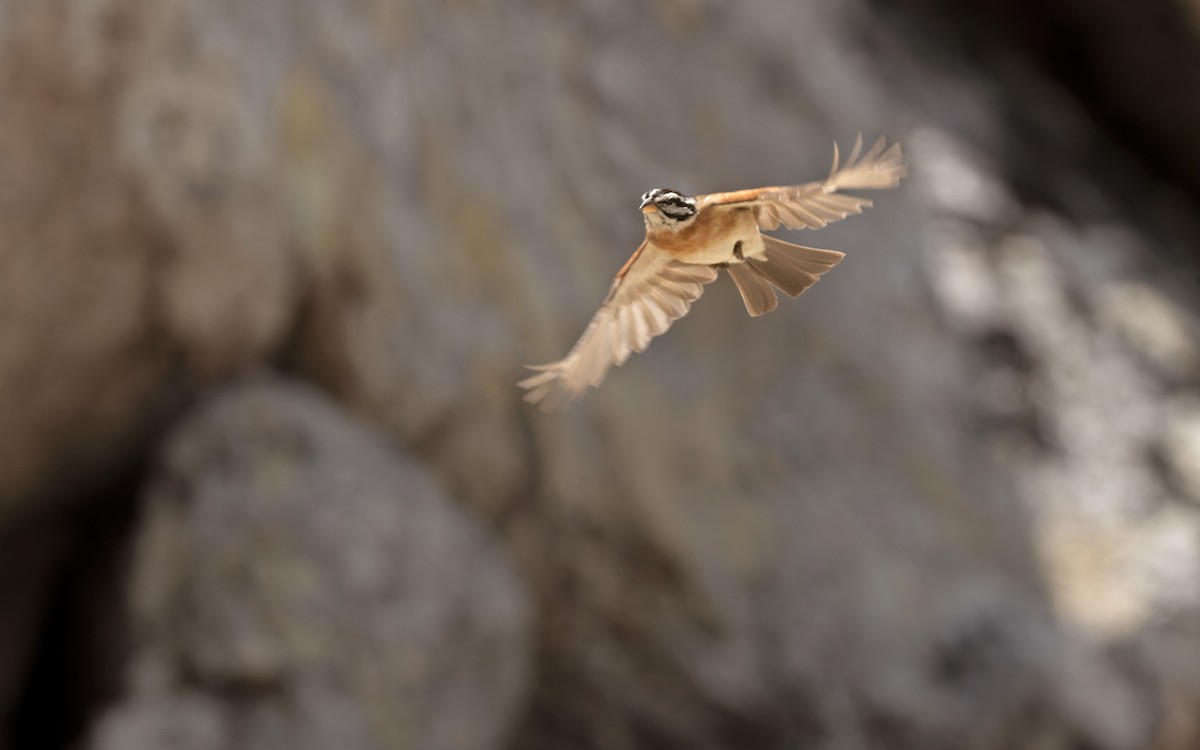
[{"x": 712, "y": 237}]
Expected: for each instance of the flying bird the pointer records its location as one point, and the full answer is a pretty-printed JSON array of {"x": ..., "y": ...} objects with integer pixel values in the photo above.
[{"x": 690, "y": 239}]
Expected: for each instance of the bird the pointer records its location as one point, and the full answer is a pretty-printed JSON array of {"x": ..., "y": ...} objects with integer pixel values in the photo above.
[{"x": 691, "y": 239}]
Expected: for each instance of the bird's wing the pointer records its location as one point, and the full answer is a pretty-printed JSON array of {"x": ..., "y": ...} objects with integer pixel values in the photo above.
[
  {"x": 815, "y": 204},
  {"x": 650, "y": 291}
]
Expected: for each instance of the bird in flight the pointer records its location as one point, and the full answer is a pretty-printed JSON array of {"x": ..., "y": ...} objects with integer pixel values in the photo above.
[{"x": 690, "y": 239}]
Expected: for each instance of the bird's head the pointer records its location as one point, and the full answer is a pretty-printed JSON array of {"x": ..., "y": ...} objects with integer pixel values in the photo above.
[{"x": 667, "y": 209}]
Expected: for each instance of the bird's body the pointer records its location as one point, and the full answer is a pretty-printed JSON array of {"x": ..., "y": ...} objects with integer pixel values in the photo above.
[
  {"x": 711, "y": 238},
  {"x": 689, "y": 239}
]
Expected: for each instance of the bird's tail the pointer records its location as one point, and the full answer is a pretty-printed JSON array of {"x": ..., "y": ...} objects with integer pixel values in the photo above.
[{"x": 783, "y": 266}]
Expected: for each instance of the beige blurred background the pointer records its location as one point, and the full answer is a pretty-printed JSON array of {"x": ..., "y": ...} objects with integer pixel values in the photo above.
[{"x": 269, "y": 271}]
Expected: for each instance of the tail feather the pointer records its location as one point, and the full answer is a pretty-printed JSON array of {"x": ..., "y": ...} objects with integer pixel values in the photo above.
[
  {"x": 793, "y": 268},
  {"x": 789, "y": 268},
  {"x": 756, "y": 290}
]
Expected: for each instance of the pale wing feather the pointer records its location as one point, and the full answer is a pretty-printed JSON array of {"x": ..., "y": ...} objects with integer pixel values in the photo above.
[
  {"x": 813, "y": 205},
  {"x": 641, "y": 304}
]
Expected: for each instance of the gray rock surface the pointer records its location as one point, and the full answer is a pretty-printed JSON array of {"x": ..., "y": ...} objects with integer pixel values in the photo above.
[
  {"x": 297, "y": 585},
  {"x": 142, "y": 258}
]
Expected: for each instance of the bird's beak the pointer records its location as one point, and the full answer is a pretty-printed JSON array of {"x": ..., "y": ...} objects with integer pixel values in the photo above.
[{"x": 648, "y": 206}]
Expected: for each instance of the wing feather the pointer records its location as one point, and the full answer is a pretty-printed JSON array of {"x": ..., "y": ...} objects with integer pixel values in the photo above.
[
  {"x": 650, "y": 292},
  {"x": 637, "y": 331},
  {"x": 813, "y": 205},
  {"x": 644, "y": 327}
]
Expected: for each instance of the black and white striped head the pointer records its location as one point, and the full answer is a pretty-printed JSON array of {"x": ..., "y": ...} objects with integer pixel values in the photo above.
[{"x": 668, "y": 208}]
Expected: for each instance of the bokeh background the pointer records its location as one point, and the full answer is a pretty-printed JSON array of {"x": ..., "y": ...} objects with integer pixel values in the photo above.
[{"x": 269, "y": 270}]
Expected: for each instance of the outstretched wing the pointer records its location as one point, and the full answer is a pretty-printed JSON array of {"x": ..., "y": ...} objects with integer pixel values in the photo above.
[
  {"x": 815, "y": 204},
  {"x": 650, "y": 292}
]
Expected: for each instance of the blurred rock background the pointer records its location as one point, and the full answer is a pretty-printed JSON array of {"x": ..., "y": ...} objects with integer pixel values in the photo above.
[{"x": 268, "y": 272}]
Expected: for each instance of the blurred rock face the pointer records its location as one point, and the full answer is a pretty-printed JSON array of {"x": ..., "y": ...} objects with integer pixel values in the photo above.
[
  {"x": 322, "y": 592},
  {"x": 879, "y": 517}
]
